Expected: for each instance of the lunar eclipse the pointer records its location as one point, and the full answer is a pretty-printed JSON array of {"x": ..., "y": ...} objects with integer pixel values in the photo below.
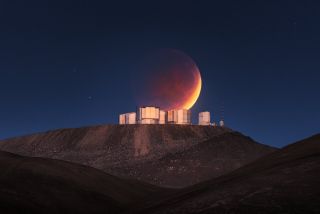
[{"x": 172, "y": 80}]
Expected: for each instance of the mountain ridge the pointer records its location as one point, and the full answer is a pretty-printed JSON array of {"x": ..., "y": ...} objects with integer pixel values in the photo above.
[{"x": 133, "y": 151}]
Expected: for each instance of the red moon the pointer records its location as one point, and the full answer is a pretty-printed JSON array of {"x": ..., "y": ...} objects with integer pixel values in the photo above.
[{"x": 173, "y": 81}]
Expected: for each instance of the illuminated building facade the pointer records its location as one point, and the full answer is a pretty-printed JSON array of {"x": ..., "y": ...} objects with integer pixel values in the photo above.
[
  {"x": 131, "y": 118},
  {"x": 128, "y": 118},
  {"x": 149, "y": 115},
  {"x": 181, "y": 116},
  {"x": 153, "y": 115},
  {"x": 184, "y": 116},
  {"x": 171, "y": 117},
  {"x": 162, "y": 119},
  {"x": 204, "y": 118},
  {"x": 122, "y": 119}
]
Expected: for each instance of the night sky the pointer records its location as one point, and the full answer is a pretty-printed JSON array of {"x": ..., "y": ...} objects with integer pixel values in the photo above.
[{"x": 71, "y": 64}]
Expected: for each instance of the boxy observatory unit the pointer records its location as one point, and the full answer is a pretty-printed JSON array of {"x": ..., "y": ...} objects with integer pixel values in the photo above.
[
  {"x": 148, "y": 115},
  {"x": 204, "y": 118},
  {"x": 181, "y": 116},
  {"x": 128, "y": 118}
]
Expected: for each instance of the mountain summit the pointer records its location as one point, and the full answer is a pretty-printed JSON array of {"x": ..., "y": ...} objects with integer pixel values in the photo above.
[{"x": 165, "y": 155}]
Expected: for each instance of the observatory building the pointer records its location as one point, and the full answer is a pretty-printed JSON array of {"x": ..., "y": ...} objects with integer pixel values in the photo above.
[
  {"x": 154, "y": 115},
  {"x": 149, "y": 115},
  {"x": 122, "y": 119},
  {"x": 181, "y": 116},
  {"x": 204, "y": 118},
  {"x": 128, "y": 118},
  {"x": 162, "y": 119}
]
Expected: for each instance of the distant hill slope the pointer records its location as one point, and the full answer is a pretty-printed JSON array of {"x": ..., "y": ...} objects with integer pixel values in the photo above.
[
  {"x": 38, "y": 185},
  {"x": 286, "y": 181},
  {"x": 167, "y": 155}
]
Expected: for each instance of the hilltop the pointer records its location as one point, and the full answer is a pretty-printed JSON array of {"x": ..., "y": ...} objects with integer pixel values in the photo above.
[{"x": 165, "y": 155}]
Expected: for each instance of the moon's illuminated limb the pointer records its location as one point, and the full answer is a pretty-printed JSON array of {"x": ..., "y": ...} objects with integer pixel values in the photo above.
[
  {"x": 171, "y": 80},
  {"x": 195, "y": 94}
]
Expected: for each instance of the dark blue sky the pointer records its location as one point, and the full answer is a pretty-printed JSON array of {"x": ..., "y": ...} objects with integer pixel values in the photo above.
[{"x": 71, "y": 63}]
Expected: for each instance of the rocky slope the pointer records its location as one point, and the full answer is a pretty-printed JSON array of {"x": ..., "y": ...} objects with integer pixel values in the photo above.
[
  {"x": 38, "y": 185},
  {"x": 167, "y": 155},
  {"x": 204, "y": 160},
  {"x": 286, "y": 181}
]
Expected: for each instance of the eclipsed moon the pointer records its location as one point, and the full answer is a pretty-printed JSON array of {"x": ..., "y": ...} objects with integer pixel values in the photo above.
[{"x": 171, "y": 80}]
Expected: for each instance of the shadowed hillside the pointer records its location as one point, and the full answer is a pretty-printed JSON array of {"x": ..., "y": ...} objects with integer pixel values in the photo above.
[
  {"x": 167, "y": 155},
  {"x": 38, "y": 185},
  {"x": 286, "y": 181}
]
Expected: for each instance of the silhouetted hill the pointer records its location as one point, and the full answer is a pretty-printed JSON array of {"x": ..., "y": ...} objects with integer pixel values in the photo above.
[
  {"x": 38, "y": 185},
  {"x": 286, "y": 181},
  {"x": 166, "y": 155}
]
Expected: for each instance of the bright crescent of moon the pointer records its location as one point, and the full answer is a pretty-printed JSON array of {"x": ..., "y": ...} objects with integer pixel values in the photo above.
[{"x": 196, "y": 92}]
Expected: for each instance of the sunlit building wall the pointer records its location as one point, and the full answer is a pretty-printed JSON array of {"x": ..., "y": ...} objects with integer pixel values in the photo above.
[
  {"x": 149, "y": 115},
  {"x": 172, "y": 116},
  {"x": 131, "y": 118},
  {"x": 204, "y": 118},
  {"x": 181, "y": 116},
  {"x": 122, "y": 119},
  {"x": 128, "y": 118},
  {"x": 162, "y": 119},
  {"x": 184, "y": 116}
]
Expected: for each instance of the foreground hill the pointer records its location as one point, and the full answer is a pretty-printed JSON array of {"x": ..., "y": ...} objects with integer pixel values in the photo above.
[
  {"x": 38, "y": 185},
  {"x": 286, "y": 181},
  {"x": 166, "y": 155}
]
